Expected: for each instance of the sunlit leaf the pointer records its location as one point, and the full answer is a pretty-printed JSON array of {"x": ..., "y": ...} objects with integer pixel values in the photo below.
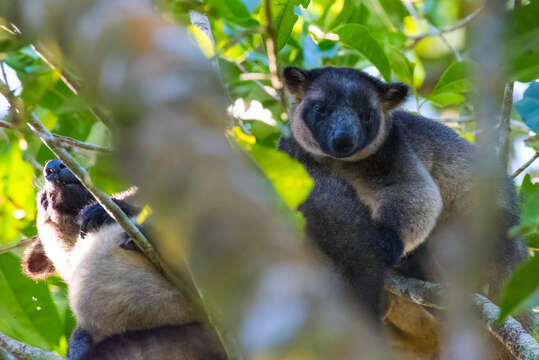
[
  {"x": 288, "y": 176},
  {"x": 17, "y": 193},
  {"x": 204, "y": 42}
]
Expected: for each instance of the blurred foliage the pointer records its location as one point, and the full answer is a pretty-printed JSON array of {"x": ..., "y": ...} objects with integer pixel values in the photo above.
[{"x": 379, "y": 36}]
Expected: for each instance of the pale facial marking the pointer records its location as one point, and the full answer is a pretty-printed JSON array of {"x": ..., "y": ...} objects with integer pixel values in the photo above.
[{"x": 303, "y": 134}]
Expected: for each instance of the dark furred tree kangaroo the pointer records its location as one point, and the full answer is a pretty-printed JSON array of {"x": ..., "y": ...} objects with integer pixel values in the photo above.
[
  {"x": 386, "y": 181},
  {"x": 125, "y": 309}
]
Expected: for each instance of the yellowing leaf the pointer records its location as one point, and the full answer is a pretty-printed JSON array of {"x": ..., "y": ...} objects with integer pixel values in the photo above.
[{"x": 204, "y": 42}]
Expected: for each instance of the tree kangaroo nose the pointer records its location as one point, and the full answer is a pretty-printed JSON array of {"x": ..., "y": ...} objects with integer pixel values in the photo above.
[
  {"x": 53, "y": 166},
  {"x": 342, "y": 143}
]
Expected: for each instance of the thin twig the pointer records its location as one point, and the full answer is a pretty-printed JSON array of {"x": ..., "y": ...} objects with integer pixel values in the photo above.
[
  {"x": 69, "y": 141},
  {"x": 462, "y": 119},
  {"x": 453, "y": 49},
  {"x": 51, "y": 65},
  {"x": 22, "y": 351},
  {"x": 271, "y": 44},
  {"x": 433, "y": 31},
  {"x": 510, "y": 333},
  {"x": 526, "y": 164},
  {"x": 81, "y": 144},
  {"x": 266, "y": 89},
  {"x": 20, "y": 243},
  {"x": 504, "y": 133},
  {"x": 102, "y": 198}
]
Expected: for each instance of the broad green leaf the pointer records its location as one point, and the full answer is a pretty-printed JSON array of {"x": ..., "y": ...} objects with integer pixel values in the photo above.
[
  {"x": 529, "y": 193},
  {"x": 528, "y": 107},
  {"x": 521, "y": 285},
  {"x": 401, "y": 66},
  {"x": 27, "y": 312},
  {"x": 441, "y": 12},
  {"x": 358, "y": 37},
  {"x": 453, "y": 83},
  {"x": 17, "y": 193},
  {"x": 522, "y": 42},
  {"x": 395, "y": 10},
  {"x": 447, "y": 98},
  {"x": 288, "y": 176},
  {"x": 532, "y": 240},
  {"x": 227, "y": 8},
  {"x": 283, "y": 18},
  {"x": 525, "y": 67}
]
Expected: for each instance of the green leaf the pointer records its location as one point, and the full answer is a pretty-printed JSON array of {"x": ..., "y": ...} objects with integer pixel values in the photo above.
[
  {"x": 453, "y": 83},
  {"x": 522, "y": 42},
  {"x": 529, "y": 193},
  {"x": 288, "y": 176},
  {"x": 358, "y": 37},
  {"x": 395, "y": 10},
  {"x": 283, "y": 18},
  {"x": 528, "y": 107},
  {"x": 17, "y": 193},
  {"x": 521, "y": 285},
  {"x": 234, "y": 11},
  {"x": 532, "y": 240},
  {"x": 27, "y": 312}
]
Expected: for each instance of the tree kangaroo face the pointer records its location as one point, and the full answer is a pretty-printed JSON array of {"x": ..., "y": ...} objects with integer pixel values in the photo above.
[{"x": 340, "y": 113}]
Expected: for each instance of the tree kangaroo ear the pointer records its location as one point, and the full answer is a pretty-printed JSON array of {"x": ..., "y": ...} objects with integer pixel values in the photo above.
[
  {"x": 393, "y": 94},
  {"x": 295, "y": 80},
  {"x": 35, "y": 263}
]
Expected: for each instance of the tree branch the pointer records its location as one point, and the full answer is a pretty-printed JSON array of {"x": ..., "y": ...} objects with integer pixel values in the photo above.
[
  {"x": 268, "y": 90},
  {"x": 438, "y": 32},
  {"x": 66, "y": 141},
  {"x": 20, "y": 243},
  {"x": 189, "y": 289},
  {"x": 271, "y": 44},
  {"x": 526, "y": 164},
  {"x": 510, "y": 333},
  {"x": 505, "y": 124},
  {"x": 21, "y": 351},
  {"x": 55, "y": 145},
  {"x": 504, "y": 142}
]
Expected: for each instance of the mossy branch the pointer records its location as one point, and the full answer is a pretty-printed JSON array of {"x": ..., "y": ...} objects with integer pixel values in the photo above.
[
  {"x": 13, "y": 349},
  {"x": 510, "y": 333}
]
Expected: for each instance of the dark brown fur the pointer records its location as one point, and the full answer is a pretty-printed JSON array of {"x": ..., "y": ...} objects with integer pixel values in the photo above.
[{"x": 387, "y": 185}]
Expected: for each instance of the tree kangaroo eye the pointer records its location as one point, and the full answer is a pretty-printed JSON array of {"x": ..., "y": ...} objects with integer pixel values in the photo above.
[
  {"x": 317, "y": 107},
  {"x": 129, "y": 244}
]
